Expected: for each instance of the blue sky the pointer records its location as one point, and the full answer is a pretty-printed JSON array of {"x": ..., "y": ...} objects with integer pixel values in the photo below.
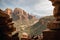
[{"x": 34, "y": 7}]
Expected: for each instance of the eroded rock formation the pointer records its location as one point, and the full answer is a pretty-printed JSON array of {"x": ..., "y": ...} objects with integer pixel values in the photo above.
[
  {"x": 7, "y": 30},
  {"x": 53, "y": 32}
]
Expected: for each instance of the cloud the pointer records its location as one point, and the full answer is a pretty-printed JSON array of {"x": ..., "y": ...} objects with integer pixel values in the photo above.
[
  {"x": 43, "y": 13},
  {"x": 36, "y": 7},
  {"x": 0, "y": 1},
  {"x": 17, "y": 3},
  {"x": 22, "y": 2},
  {"x": 45, "y": 5},
  {"x": 43, "y": 8},
  {"x": 3, "y": 4}
]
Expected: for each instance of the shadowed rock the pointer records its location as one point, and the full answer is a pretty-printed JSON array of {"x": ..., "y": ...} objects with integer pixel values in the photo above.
[{"x": 7, "y": 30}]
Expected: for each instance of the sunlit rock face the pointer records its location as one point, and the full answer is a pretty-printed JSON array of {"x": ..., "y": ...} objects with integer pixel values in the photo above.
[
  {"x": 19, "y": 13},
  {"x": 21, "y": 19},
  {"x": 8, "y": 11}
]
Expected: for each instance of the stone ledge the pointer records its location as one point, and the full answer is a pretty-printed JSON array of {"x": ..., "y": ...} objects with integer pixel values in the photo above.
[
  {"x": 51, "y": 35},
  {"x": 54, "y": 25}
]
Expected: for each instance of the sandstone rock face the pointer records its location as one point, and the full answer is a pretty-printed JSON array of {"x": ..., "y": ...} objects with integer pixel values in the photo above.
[
  {"x": 22, "y": 20},
  {"x": 8, "y": 11},
  {"x": 7, "y": 30},
  {"x": 56, "y": 13},
  {"x": 21, "y": 13},
  {"x": 22, "y": 16},
  {"x": 54, "y": 26}
]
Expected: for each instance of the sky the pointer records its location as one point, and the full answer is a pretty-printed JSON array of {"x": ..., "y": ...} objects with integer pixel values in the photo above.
[{"x": 34, "y": 7}]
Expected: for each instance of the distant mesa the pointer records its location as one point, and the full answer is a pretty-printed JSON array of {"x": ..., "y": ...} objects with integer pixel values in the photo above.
[{"x": 18, "y": 13}]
